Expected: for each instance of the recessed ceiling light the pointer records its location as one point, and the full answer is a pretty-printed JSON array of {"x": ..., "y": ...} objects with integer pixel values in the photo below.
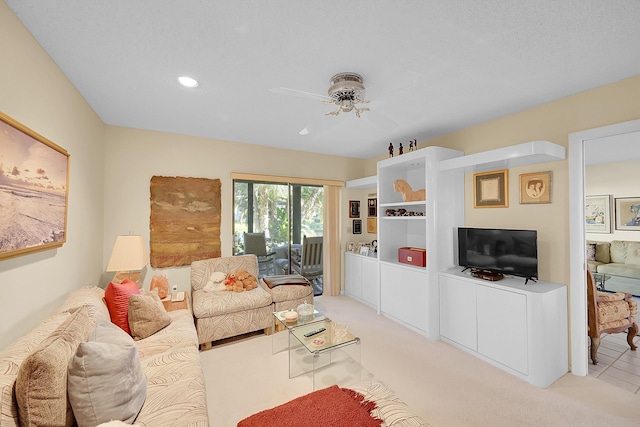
[{"x": 187, "y": 81}]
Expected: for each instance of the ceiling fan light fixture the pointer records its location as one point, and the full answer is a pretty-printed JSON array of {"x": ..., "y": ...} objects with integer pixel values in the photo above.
[{"x": 187, "y": 81}]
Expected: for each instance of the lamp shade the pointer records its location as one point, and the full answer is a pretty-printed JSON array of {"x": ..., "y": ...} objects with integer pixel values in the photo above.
[{"x": 129, "y": 254}]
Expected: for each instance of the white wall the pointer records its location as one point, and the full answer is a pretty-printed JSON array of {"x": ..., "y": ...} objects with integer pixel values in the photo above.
[
  {"x": 618, "y": 180},
  {"x": 36, "y": 93}
]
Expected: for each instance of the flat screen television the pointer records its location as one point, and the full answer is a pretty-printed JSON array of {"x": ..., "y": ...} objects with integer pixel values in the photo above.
[{"x": 512, "y": 252}]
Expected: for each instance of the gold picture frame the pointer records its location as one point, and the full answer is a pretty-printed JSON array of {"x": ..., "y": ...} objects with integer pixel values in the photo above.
[
  {"x": 491, "y": 189},
  {"x": 34, "y": 191},
  {"x": 535, "y": 188}
]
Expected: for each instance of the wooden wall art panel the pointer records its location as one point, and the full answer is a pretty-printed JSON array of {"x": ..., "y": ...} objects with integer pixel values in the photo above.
[{"x": 185, "y": 220}]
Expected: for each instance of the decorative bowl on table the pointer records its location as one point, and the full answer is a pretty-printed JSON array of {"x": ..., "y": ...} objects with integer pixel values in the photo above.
[{"x": 290, "y": 316}]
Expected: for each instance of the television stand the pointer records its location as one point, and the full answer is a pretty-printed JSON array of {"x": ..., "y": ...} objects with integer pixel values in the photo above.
[{"x": 486, "y": 274}]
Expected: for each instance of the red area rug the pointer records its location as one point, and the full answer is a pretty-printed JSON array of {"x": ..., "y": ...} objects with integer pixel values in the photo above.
[{"x": 329, "y": 407}]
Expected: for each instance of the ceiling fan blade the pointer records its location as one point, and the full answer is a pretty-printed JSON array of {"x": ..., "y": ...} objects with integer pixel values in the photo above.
[
  {"x": 380, "y": 120},
  {"x": 298, "y": 93},
  {"x": 397, "y": 83}
]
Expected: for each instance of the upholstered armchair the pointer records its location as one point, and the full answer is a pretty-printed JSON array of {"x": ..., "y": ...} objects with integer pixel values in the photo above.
[{"x": 611, "y": 314}]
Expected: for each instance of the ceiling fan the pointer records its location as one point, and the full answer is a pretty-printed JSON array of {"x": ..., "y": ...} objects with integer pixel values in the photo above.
[{"x": 346, "y": 91}]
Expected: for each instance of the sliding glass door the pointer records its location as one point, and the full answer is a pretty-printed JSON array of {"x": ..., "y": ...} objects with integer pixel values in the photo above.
[{"x": 284, "y": 212}]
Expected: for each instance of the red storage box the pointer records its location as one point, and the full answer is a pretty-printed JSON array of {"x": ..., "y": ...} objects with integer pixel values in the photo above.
[{"x": 413, "y": 256}]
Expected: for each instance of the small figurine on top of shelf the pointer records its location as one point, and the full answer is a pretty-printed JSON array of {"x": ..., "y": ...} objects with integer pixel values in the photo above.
[
  {"x": 391, "y": 149},
  {"x": 413, "y": 145},
  {"x": 410, "y": 145},
  {"x": 400, "y": 149}
]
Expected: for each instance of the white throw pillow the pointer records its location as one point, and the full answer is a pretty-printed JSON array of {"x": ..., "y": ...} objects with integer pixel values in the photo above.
[{"x": 105, "y": 377}]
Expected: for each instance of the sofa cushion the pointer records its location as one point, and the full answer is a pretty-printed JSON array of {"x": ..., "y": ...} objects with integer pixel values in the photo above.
[
  {"x": 175, "y": 389},
  {"x": 633, "y": 253},
  {"x": 209, "y": 304},
  {"x": 624, "y": 270},
  {"x": 91, "y": 296},
  {"x": 117, "y": 297},
  {"x": 618, "y": 251},
  {"x": 41, "y": 384},
  {"x": 147, "y": 315},
  {"x": 105, "y": 379}
]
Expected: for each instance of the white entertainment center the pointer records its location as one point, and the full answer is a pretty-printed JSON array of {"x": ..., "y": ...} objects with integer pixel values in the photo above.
[{"x": 519, "y": 328}]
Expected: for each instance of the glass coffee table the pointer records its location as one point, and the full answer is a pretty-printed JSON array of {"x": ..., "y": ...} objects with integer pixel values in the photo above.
[
  {"x": 331, "y": 356},
  {"x": 280, "y": 342},
  {"x": 600, "y": 279}
]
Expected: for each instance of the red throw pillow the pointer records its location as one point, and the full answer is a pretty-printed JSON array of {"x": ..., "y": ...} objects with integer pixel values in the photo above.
[{"x": 117, "y": 297}]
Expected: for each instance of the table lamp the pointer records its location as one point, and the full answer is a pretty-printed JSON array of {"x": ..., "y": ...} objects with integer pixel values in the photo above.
[{"x": 128, "y": 258}]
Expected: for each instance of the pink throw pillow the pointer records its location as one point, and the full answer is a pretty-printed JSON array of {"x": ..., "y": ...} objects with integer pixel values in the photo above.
[{"x": 116, "y": 296}]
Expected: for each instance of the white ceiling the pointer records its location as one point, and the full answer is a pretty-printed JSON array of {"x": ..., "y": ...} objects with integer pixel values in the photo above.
[{"x": 475, "y": 61}]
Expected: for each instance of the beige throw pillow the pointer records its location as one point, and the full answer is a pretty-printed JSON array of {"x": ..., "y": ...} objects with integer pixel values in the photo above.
[
  {"x": 106, "y": 380},
  {"x": 147, "y": 315},
  {"x": 41, "y": 384}
]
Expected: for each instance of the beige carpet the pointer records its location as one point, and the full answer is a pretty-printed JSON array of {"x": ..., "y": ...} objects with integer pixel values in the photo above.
[{"x": 444, "y": 385}]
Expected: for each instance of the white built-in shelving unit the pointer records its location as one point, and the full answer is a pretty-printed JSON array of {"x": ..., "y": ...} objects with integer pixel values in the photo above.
[
  {"x": 439, "y": 302},
  {"x": 409, "y": 294}
]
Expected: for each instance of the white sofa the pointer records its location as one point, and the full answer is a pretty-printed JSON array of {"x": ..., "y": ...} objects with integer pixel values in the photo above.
[
  {"x": 616, "y": 258},
  {"x": 175, "y": 389}
]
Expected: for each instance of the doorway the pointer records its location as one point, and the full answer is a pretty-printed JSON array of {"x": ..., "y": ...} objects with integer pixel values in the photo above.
[{"x": 608, "y": 144}]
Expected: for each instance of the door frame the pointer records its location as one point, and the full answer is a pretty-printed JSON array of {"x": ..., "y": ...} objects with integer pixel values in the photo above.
[{"x": 577, "y": 235}]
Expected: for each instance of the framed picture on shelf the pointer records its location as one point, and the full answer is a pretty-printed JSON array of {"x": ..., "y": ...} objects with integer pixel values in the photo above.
[
  {"x": 357, "y": 226},
  {"x": 372, "y": 225},
  {"x": 597, "y": 212},
  {"x": 351, "y": 246},
  {"x": 628, "y": 213},
  {"x": 491, "y": 189},
  {"x": 34, "y": 179},
  {"x": 535, "y": 188},
  {"x": 354, "y": 208},
  {"x": 372, "y": 208}
]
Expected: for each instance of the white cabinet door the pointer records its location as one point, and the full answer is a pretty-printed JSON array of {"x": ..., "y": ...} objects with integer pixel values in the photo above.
[
  {"x": 353, "y": 275},
  {"x": 502, "y": 327},
  {"x": 403, "y": 294},
  {"x": 458, "y": 311},
  {"x": 370, "y": 281}
]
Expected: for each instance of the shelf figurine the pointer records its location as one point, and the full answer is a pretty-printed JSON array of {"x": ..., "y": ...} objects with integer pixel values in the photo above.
[
  {"x": 391, "y": 149},
  {"x": 400, "y": 149}
]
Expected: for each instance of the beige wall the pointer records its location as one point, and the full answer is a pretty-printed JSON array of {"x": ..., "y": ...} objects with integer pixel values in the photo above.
[
  {"x": 126, "y": 192},
  {"x": 111, "y": 168},
  {"x": 618, "y": 180},
  {"x": 610, "y": 104},
  {"x": 34, "y": 92}
]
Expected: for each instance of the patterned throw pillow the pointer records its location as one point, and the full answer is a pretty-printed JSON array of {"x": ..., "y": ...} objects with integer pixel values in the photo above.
[
  {"x": 591, "y": 251},
  {"x": 41, "y": 384},
  {"x": 147, "y": 315}
]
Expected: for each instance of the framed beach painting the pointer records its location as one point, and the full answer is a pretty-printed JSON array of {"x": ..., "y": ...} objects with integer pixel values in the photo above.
[
  {"x": 628, "y": 213},
  {"x": 597, "y": 212},
  {"x": 34, "y": 190}
]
